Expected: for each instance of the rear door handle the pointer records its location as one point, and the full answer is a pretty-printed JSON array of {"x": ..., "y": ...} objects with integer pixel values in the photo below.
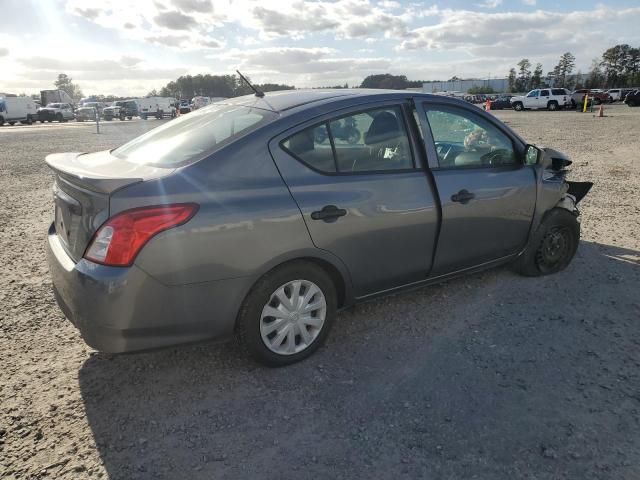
[
  {"x": 463, "y": 196},
  {"x": 329, "y": 214}
]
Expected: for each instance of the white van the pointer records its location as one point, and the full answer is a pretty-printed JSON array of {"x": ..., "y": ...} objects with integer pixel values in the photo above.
[
  {"x": 157, "y": 107},
  {"x": 18, "y": 109},
  {"x": 199, "y": 102},
  {"x": 615, "y": 94}
]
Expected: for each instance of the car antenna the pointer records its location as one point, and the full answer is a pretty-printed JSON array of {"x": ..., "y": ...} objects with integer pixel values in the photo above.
[{"x": 259, "y": 94}]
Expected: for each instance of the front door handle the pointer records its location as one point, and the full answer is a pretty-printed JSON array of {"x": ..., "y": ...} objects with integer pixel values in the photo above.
[
  {"x": 463, "y": 196},
  {"x": 329, "y": 213}
]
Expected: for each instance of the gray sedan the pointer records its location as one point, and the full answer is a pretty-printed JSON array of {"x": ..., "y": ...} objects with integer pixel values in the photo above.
[{"x": 264, "y": 216}]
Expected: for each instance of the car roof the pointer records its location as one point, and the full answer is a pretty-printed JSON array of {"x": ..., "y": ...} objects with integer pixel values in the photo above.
[{"x": 283, "y": 100}]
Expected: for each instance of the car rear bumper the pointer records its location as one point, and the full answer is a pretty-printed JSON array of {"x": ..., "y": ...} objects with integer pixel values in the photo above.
[{"x": 124, "y": 309}]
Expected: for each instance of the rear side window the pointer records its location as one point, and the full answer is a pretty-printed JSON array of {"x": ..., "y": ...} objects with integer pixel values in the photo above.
[
  {"x": 544, "y": 93},
  {"x": 312, "y": 146},
  {"x": 558, "y": 91},
  {"x": 371, "y": 141},
  {"x": 189, "y": 138}
]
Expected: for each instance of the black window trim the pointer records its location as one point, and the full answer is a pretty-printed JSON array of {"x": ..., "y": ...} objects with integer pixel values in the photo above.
[
  {"x": 387, "y": 104},
  {"x": 517, "y": 151}
]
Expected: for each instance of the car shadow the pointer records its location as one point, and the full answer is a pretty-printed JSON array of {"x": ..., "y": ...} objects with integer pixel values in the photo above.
[{"x": 486, "y": 375}]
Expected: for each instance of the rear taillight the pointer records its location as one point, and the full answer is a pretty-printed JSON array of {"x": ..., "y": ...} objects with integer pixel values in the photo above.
[{"x": 119, "y": 239}]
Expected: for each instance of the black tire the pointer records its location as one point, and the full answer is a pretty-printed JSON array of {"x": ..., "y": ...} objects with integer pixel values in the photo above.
[
  {"x": 552, "y": 246},
  {"x": 129, "y": 118},
  {"x": 518, "y": 107},
  {"x": 29, "y": 120},
  {"x": 2, "y": 119},
  {"x": 248, "y": 321},
  {"x": 144, "y": 117},
  {"x": 12, "y": 123},
  {"x": 552, "y": 106}
]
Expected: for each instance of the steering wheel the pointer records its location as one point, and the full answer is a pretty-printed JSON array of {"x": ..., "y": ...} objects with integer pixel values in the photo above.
[
  {"x": 443, "y": 150},
  {"x": 495, "y": 157}
]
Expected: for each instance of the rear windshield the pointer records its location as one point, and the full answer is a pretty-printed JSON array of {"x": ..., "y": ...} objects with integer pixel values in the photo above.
[{"x": 189, "y": 138}]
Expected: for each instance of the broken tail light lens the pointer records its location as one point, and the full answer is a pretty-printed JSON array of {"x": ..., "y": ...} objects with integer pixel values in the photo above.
[{"x": 119, "y": 240}]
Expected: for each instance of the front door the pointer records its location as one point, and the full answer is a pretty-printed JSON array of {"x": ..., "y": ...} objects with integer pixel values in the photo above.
[
  {"x": 532, "y": 100},
  {"x": 487, "y": 194},
  {"x": 363, "y": 195}
]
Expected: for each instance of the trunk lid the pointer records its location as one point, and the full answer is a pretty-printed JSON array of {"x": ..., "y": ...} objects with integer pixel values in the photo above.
[{"x": 83, "y": 185}]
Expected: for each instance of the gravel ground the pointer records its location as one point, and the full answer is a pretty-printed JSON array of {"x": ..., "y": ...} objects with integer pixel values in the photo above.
[{"x": 492, "y": 376}]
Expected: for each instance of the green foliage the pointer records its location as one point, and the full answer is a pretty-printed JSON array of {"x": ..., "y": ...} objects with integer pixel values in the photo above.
[
  {"x": 385, "y": 80},
  {"x": 478, "y": 90},
  {"x": 189, "y": 86},
  {"x": 523, "y": 80},
  {"x": 65, "y": 83}
]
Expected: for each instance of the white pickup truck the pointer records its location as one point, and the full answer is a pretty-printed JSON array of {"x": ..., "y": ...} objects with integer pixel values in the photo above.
[{"x": 542, "y": 98}]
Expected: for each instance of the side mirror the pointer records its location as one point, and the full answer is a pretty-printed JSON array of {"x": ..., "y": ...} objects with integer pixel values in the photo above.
[{"x": 533, "y": 155}]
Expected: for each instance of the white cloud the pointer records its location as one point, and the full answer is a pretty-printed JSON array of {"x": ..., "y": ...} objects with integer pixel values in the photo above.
[{"x": 490, "y": 4}]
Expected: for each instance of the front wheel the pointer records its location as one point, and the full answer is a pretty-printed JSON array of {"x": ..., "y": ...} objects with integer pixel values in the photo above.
[
  {"x": 288, "y": 314},
  {"x": 552, "y": 246},
  {"x": 553, "y": 106},
  {"x": 518, "y": 107}
]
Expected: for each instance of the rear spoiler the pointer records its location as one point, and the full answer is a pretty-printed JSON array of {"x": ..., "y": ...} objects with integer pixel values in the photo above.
[{"x": 102, "y": 172}]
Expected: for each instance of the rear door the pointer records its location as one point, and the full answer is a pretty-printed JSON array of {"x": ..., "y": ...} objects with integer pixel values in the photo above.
[
  {"x": 487, "y": 194},
  {"x": 358, "y": 180}
]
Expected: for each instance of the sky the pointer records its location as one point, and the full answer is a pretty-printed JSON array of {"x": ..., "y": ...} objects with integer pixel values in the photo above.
[{"x": 129, "y": 47}]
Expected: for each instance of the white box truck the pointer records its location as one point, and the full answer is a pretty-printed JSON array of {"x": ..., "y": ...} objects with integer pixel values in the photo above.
[
  {"x": 17, "y": 109},
  {"x": 157, "y": 107}
]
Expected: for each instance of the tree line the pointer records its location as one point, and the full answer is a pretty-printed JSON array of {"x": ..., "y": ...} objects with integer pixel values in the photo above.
[{"x": 618, "y": 66}]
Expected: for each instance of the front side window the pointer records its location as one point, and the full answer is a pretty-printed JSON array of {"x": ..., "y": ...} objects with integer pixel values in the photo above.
[
  {"x": 371, "y": 141},
  {"x": 463, "y": 139},
  {"x": 190, "y": 137},
  {"x": 533, "y": 93}
]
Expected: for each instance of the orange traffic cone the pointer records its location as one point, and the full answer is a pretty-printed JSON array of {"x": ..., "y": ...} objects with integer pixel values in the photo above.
[{"x": 601, "y": 111}]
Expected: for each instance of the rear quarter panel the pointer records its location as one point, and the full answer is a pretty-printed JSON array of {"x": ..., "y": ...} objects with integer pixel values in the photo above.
[{"x": 247, "y": 222}]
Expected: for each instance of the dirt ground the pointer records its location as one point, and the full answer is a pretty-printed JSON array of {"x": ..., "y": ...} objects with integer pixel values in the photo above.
[{"x": 492, "y": 376}]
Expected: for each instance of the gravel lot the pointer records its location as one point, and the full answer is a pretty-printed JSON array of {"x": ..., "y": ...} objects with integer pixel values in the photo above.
[{"x": 492, "y": 376}]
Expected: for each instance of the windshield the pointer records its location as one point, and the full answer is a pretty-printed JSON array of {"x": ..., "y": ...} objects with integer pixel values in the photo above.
[{"x": 190, "y": 137}]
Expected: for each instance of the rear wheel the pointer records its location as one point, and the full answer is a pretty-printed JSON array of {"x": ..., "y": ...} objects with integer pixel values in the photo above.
[
  {"x": 518, "y": 106},
  {"x": 288, "y": 314},
  {"x": 552, "y": 246},
  {"x": 12, "y": 123}
]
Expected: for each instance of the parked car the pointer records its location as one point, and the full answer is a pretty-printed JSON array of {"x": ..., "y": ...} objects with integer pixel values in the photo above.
[
  {"x": 633, "y": 99},
  {"x": 85, "y": 113},
  {"x": 60, "y": 112},
  {"x": 237, "y": 219},
  {"x": 128, "y": 108},
  {"x": 501, "y": 102},
  {"x": 615, "y": 94},
  {"x": 99, "y": 106},
  {"x": 545, "y": 98},
  {"x": 17, "y": 109},
  {"x": 185, "y": 107},
  {"x": 157, "y": 107},
  {"x": 597, "y": 96},
  {"x": 113, "y": 111}
]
